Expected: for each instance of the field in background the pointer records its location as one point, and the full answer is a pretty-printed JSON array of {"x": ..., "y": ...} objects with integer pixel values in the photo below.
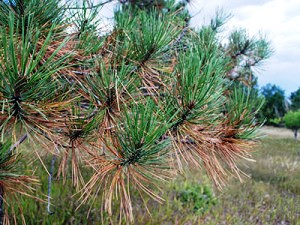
[
  {"x": 276, "y": 132},
  {"x": 270, "y": 196}
]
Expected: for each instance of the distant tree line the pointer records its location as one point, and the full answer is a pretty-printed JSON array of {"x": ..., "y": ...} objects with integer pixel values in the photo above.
[{"x": 279, "y": 110}]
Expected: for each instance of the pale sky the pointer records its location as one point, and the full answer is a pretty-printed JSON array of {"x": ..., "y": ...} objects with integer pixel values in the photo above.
[{"x": 278, "y": 19}]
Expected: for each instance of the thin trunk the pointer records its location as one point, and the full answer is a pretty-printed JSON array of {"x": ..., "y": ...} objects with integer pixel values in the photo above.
[
  {"x": 296, "y": 133},
  {"x": 50, "y": 178}
]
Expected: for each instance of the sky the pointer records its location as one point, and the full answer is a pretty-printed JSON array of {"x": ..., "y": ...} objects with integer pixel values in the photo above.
[{"x": 279, "y": 20}]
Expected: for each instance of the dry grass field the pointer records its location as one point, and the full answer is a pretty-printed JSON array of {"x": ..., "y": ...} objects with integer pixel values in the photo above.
[
  {"x": 271, "y": 196},
  {"x": 276, "y": 132}
]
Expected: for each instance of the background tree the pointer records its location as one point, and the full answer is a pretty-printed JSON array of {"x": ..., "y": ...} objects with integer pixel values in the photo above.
[
  {"x": 292, "y": 121},
  {"x": 275, "y": 104},
  {"x": 137, "y": 105},
  {"x": 295, "y": 100}
]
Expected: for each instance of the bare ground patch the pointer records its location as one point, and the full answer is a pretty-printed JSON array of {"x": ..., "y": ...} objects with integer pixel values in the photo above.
[{"x": 276, "y": 132}]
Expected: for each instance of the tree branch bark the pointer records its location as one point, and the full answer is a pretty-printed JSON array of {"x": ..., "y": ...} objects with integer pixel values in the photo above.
[{"x": 20, "y": 141}]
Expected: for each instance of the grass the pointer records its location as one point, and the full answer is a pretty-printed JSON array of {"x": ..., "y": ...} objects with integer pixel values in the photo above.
[{"x": 271, "y": 196}]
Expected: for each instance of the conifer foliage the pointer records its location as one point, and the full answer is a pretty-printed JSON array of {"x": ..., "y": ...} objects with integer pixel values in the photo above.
[{"x": 137, "y": 105}]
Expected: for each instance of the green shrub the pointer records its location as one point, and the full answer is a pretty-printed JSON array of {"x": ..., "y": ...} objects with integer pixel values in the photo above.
[
  {"x": 292, "y": 121},
  {"x": 277, "y": 122},
  {"x": 200, "y": 197}
]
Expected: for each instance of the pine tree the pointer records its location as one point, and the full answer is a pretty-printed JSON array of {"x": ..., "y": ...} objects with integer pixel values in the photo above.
[
  {"x": 137, "y": 105},
  {"x": 275, "y": 103},
  {"x": 295, "y": 100}
]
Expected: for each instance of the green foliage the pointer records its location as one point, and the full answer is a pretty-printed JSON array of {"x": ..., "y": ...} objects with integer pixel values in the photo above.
[
  {"x": 242, "y": 104},
  {"x": 22, "y": 70},
  {"x": 158, "y": 34},
  {"x": 162, "y": 6},
  {"x": 109, "y": 86},
  {"x": 277, "y": 122},
  {"x": 295, "y": 100},
  {"x": 246, "y": 54},
  {"x": 199, "y": 196},
  {"x": 275, "y": 105},
  {"x": 199, "y": 80},
  {"x": 85, "y": 25},
  {"x": 220, "y": 19},
  {"x": 43, "y": 13},
  {"x": 140, "y": 136},
  {"x": 292, "y": 119},
  {"x": 5, "y": 157},
  {"x": 133, "y": 105}
]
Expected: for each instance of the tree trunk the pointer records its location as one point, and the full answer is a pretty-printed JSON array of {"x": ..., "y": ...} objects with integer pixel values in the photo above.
[
  {"x": 1, "y": 205},
  {"x": 296, "y": 133}
]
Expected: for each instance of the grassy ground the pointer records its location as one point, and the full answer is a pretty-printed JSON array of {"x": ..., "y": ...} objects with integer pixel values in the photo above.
[{"x": 270, "y": 196}]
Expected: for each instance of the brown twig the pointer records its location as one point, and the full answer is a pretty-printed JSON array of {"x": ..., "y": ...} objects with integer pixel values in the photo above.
[{"x": 20, "y": 141}]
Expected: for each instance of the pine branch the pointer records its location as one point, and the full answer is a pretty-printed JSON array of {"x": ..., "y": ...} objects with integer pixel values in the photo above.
[
  {"x": 182, "y": 34},
  {"x": 91, "y": 6}
]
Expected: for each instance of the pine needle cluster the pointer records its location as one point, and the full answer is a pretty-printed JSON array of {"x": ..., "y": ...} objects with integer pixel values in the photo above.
[{"x": 137, "y": 105}]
